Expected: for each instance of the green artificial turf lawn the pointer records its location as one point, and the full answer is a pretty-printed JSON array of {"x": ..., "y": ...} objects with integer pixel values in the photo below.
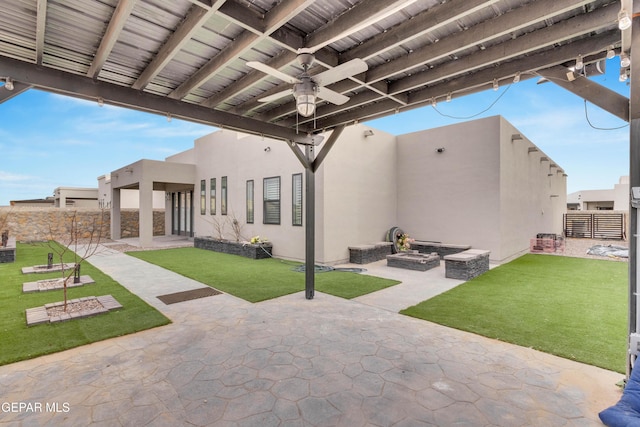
[
  {"x": 257, "y": 280},
  {"x": 571, "y": 307},
  {"x": 19, "y": 342}
]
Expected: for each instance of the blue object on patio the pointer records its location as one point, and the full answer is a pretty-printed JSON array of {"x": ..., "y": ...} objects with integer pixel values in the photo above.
[{"x": 626, "y": 413}]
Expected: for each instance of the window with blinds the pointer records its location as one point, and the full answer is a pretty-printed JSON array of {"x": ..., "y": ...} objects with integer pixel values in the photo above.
[
  {"x": 250, "y": 209},
  {"x": 212, "y": 197},
  {"x": 271, "y": 209},
  {"x": 223, "y": 195},
  {"x": 296, "y": 195},
  {"x": 203, "y": 197}
]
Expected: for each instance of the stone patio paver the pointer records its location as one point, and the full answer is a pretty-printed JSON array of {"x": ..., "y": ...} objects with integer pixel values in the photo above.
[{"x": 290, "y": 361}]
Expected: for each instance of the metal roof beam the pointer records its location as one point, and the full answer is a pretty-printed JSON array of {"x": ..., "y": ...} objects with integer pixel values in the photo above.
[
  {"x": 526, "y": 44},
  {"x": 605, "y": 98},
  {"x": 419, "y": 25},
  {"x": 528, "y": 65},
  {"x": 360, "y": 16},
  {"x": 244, "y": 41},
  {"x": 41, "y": 25},
  {"x": 196, "y": 17},
  {"x": 252, "y": 77},
  {"x": 18, "y": 88},
  {"x": 274, "y": 19},
  {"x": 116, "y": 24},
  {"x": 478, "y": 81},
  {"x": 491, "y": 56},
  {"x": 84, "y": 87},
  {"x": 497, "y": 27},
  {"x": 365, "y": 13}
]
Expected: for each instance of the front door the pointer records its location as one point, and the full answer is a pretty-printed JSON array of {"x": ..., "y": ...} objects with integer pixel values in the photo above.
[{"x": 182, "y": 213}]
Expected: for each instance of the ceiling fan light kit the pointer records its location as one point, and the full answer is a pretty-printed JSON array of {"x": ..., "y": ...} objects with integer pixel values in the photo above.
[
  {"x": 305, "y": 95},
  {"x": 308, "y": 89}
]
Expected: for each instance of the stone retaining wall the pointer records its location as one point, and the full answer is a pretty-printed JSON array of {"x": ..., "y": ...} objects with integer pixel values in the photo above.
[{"x": 39, "y": 223}]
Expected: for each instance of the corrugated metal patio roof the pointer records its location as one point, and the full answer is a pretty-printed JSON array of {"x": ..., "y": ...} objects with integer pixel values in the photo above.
[{"x": 188, "y": 58}]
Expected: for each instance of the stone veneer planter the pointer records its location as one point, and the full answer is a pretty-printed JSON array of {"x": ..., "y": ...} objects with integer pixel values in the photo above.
[
  {"x": 8, "y": 253},
  {"x": 442, "y": 249},
  {"x": 245, "y": 249},
  {"x": 414, "y": 260},
  {"x": 466, "y": 265},
  {"x": 364, "y": 254}
]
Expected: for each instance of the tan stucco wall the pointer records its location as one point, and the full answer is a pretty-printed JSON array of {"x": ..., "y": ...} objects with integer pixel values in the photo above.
[
  {"x": 532, "y": 194},
  {"x": 77, "y": 197},
  {"x": 357, "y": 186},
  {"x": 129, "y": 199},
  {"x": 454, "y": 196},
  {"x": 355, "y": 190},
  {"x": 244, "y": 158},
  {"x": 483, "y": 190}
]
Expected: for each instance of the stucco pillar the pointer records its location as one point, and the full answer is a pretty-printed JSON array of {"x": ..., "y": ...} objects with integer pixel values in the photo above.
[
  {"x": 116, "y": 232},
  {"x": 145, "y": 214}
]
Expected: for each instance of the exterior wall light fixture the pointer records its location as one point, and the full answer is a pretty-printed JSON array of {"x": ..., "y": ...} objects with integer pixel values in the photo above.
[
  {"x": 8, "y": 84},
  {"x": 625, "y": 61},
  {"x": 624, "y": 20}
]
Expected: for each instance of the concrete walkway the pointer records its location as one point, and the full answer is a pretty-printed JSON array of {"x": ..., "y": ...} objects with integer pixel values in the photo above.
[{"x": 294, "y": 362}]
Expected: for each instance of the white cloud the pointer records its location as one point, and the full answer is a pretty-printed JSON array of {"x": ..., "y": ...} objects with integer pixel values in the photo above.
[{"x": 9, "y": 176}]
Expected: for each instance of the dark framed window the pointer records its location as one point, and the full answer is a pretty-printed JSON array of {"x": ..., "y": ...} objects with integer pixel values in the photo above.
[
  {"x": 212, "y": 197},
  {"x": 296, "y": 195},
  {"x": 271, "y": 192},
  {"x": 203, "y": 197},
  {"x": 250, "y": 210},
  {"x": 223, "y": 195}
]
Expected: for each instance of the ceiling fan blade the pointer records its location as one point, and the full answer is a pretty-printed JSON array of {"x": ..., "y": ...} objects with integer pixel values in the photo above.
[
  {"x": 332, "y": 96},
  {"x": 342, "y": 71},
  {"x": 272, "y": 72},
  {"x": 276, "y": 96}
]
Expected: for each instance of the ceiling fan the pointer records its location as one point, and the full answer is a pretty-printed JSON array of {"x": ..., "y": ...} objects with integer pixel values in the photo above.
[{"x": 306, "y": 88}]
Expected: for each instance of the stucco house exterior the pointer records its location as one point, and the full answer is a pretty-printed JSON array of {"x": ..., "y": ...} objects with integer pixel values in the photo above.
[
  {"x": 613, "y": 199},
  {"x": 64, "y": 197},
  {"x": 129, "y": 199},
  {"x": 478, "y": 183}
]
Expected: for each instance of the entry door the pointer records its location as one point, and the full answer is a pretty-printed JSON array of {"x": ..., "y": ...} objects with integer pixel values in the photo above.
[{"x": 182, "y": 213}]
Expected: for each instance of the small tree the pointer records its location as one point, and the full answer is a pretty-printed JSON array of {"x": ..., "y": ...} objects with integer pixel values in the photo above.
[
  {"x": 236, "y": 227},
  {"x": 92, "y": 235},
  {"x": 4, "y": 220}
]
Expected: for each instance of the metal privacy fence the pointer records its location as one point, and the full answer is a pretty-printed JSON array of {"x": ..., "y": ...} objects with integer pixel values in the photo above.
[{"x": 608, "y": 225}]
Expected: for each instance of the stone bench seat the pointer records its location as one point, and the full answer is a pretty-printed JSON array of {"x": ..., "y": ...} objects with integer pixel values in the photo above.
[
  {"x": 364, "y": 254},
  {"x": 442, "y": 249},
  {"x": 466, "y": 265}
]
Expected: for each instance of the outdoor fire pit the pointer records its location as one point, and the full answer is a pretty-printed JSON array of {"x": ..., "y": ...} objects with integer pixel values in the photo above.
[{"x": 414, "y": 260}]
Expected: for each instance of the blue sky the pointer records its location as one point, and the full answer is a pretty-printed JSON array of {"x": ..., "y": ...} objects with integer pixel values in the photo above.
[{"x": 49, "y": 141}]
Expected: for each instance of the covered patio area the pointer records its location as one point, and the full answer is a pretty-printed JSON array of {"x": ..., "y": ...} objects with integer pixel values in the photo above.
[{"x": 146, "y": 176}]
